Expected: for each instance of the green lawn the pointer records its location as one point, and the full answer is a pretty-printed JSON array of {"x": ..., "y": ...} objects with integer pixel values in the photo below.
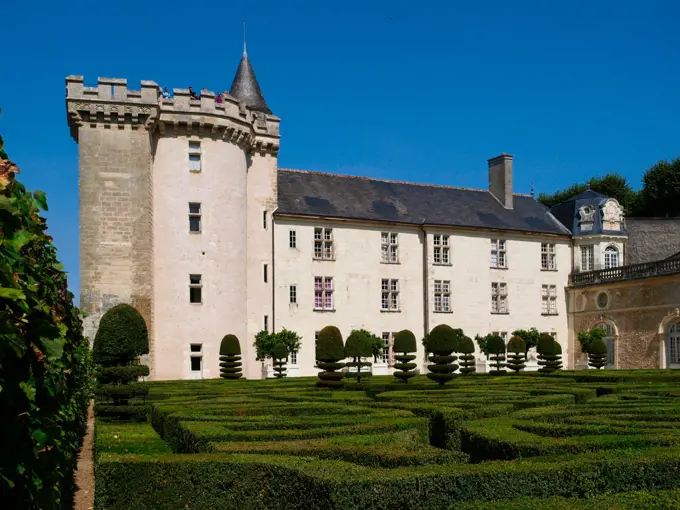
[{"x": 595, "y": 439}]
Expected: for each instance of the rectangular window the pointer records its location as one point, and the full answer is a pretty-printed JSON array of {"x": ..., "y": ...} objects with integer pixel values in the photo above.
[
  {"x": 502, "y": 334},
  {"x": 389, "y": 248},
  {"x": 323, "y": 243},
  {"x": 442, "y": 296},
  {"x": 548, "y": 262},
  {"x": 499, "y": 257},
  {"x": 264, "y": 269},
  {"x": 293, "y": 293},
  {"x": 264, "y": 220},
  {"x": 323, "y": 293},
  {"x": 195, "y": 289},
  {"x": 387, "y": 347},
  {"x": 266, "y": 323},
  {"x": 195, "y": 156},
  {"x": 441, "y": 249},
  {"x": 499, "y": 298},
  {"x": 196, "y": 357},
  {"x": 194, "y": 217},
  {"x": 587, "y": 258},
  {"x": 293, "y": 358},
  {"x": 292, "y": 239},
  {"x": 549, "y": 299},
  {"x": 390, "y": 295}
]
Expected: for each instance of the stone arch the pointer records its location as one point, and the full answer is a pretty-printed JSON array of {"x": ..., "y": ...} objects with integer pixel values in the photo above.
[
  {"x": 662, "y": 334},
  {"x": 603, "y": 319}
]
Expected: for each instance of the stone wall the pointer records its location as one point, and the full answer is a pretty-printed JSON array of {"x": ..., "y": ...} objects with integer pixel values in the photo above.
[
  {"x": 639, "y": 311},
  {"x": 651, "y": 239}
]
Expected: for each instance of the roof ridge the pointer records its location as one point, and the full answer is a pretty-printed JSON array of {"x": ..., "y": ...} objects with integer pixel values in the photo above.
[{"x": 362, "y": 178}]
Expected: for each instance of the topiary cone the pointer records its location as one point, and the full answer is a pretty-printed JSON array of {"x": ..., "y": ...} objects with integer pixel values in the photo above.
[
  {"x": 467, "y": 360},
  {"x": 597, "y": 353},
  {"x": 517, "y": 354},
  {"x": 330, "y": 351},
  {"x": 404, "y": 343},
  {"x": 441, "y": 342},
  {"x": 230, "y": 358},
  {"x": 280, "y": 357}
]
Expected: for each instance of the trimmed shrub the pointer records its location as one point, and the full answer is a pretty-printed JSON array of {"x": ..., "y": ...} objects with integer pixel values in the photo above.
[
  {"x": 121, "y": 338},
  {"x": 597, "y": 353},
  {"x": 230, "y": 358},
  {"x": 441, "y": 342},
  {"x": 330, "y": 351},
  {"x": 280, "y": 357},
  {"x": 547, "y": 350},
  {"x": 359, "y": 345},
  {"x": 556, "y": 363},
  {"x": 404, "y": 343},
  {"x": 517, "y": 357},
  {"x": 45, "y": 362},
  {"x": 496, "y": 347},
  {"x": 467, "y": 360}
]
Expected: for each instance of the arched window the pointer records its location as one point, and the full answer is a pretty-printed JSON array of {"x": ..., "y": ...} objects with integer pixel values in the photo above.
[
  {"x": 611, "y": 257},
  {"x": 674, "y": 344},
  {"x": 609, "y": 340}
]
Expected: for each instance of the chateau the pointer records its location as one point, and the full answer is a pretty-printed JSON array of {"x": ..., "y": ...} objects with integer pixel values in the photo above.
[{"x": 185, "y": 214}]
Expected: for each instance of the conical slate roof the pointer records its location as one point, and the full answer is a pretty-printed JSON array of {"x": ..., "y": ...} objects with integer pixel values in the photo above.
[{"x": 245, "y": 87}]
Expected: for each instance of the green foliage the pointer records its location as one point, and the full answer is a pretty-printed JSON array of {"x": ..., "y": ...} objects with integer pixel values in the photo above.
[
  {"x": 122, "y": 336},
  {"x": 517, "y": 354},
  {"x": 230, "y": 357},
  {"x": 45, "y": 362},
  {"x": 467, "y": 360},
  {"x": 330, "y": 351},
  {"x": 549, "y": 354},
  {"x": 496, "y": 347},
  {"x": 404, "y": 344},
  {"x": 530, "y": 337},
  {"x": 230, "y": 346},
  {"x": 265, "y": 342},
  {"x": 588, "y": 337},
  {"x": 441, "y": 342},
  {"x": 359, "y": 345},
  {"x": 280, "y": 357},
  {"x": 483, "y": 342},
  {"x": 661, "y": 189},
  {"x": 597, "y": 353}
]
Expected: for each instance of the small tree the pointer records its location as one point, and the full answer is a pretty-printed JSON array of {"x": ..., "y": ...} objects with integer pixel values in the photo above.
[
  {"x": 330, "y": 351},
  {"x": 547, "y": 353},
  {"x": 586, "y": 338},
  {"x": 265, "y": 342},
  {"x": 517, "y": 356},
  {"x": 467, "y": 360},
  {"x": 230, "y": 358},
  {"x": 280, "y": 357},
  {"x": 441, "y": 342},
  {"x": 121, "y": 338},
  {"x": 404, "y": 343},
  {"x": 496, "y": 347},
  {"x": 597, "y": 353},
  {"x": 359, "y": 345},
  {"x": 483, "y": 341},
  {"x": 530, "y": 337}
]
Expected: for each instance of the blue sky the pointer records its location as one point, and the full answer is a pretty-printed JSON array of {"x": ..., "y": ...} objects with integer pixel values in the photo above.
[{"x": 419, "y": 91}]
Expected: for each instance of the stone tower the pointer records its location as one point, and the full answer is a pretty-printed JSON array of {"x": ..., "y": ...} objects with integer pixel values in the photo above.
[{"x": 177, "y": 194}]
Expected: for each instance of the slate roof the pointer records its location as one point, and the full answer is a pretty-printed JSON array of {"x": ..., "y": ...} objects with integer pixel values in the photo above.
[
  {"x": 245, "y": 87},
  {"x": 567, "y": 213},
  {"x": 340, "y": 196}
]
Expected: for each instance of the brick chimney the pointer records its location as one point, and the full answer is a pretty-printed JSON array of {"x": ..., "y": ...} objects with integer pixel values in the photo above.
[{"x": 500, "y": 179}]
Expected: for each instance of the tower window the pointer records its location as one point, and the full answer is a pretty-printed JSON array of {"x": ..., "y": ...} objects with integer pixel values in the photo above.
[
  {"x": 292, "y": 239},
  {"x": 264, "y": 220},
  {"x": 194, "y": 156},
  {"x": 195, "y": 289},
  {"x": 194, "y": 217}
]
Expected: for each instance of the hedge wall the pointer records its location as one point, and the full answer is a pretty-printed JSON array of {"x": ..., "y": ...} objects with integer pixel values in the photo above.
[{"x": 45, "y": 363}]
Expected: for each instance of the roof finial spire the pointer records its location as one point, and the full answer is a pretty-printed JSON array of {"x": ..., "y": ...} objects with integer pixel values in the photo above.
[
  {"x": 244, "y": 38},
  {"x": 532, "y": 189}
]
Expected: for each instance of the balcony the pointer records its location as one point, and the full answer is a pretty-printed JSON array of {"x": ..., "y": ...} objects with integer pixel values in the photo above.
[{"x": 622, "y": 273}]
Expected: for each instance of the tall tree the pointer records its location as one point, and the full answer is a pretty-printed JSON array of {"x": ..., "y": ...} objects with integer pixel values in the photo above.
[{"x": 660, "y": 194}]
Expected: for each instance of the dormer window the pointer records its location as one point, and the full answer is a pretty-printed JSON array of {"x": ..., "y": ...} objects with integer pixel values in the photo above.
[
  {"x": 586, "y": 218},
  {"x": 612, "y": 215}
]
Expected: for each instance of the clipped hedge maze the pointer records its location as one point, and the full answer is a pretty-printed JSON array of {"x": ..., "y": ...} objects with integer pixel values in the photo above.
[{"x": 487, "y": 441}]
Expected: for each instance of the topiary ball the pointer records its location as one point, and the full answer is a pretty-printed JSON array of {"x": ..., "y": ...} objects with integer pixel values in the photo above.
[
  {"x": 517, "y": 345},
  {"x": 442, "y": 340},
  {"x": 597, "y": 347},
  {"x": 467, "y": 346},
  {"x": 329, "y": 346},
  {"x": 404, "y": 341},
  {"x": 358, "y": 345},
  {"x": 546, "y": 345},
  {"x": 280, "y": 351},
  {"x": 121, "y": 337},
  {"x": 495, "y": 345},
  {"x": 230, "y": 346}
]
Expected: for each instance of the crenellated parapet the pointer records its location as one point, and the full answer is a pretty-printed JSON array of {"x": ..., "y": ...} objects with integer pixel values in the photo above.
[{"x": 111, "y": 105}]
